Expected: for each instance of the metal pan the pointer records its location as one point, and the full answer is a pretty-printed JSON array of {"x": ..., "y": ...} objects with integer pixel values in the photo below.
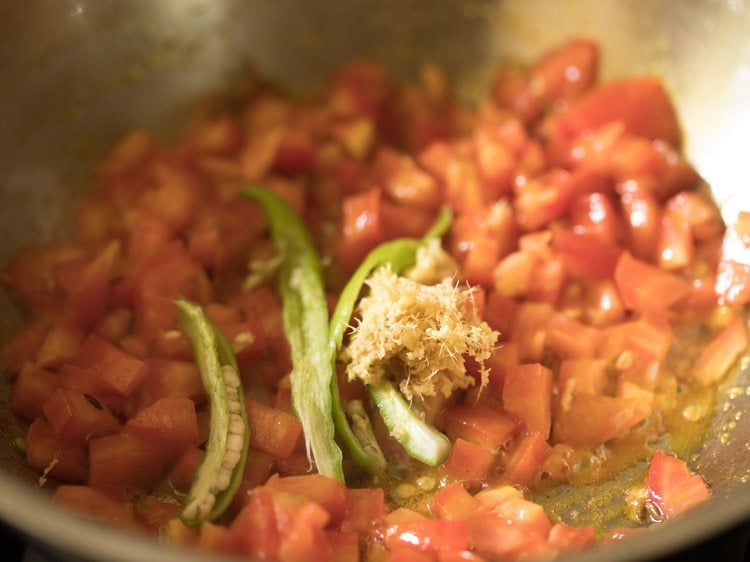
[{"x": 75, "y": 74}]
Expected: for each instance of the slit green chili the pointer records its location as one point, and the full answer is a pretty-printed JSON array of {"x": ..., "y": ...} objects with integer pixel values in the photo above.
[
  {"x": 305, "y": 315},
  {"x": 400, "y": 254},
  {"x": 220, "y": 473}
]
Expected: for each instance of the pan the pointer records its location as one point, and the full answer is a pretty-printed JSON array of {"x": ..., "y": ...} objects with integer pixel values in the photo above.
[{"x": 76, "y": 74}]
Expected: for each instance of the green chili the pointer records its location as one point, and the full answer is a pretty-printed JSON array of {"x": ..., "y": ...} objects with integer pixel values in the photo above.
[
  {"x": 305, "y": 315},
  {"x": 422, "y": 441},
  {"x": 220, "y": 472},
  {"x": 400, "y": 254}
]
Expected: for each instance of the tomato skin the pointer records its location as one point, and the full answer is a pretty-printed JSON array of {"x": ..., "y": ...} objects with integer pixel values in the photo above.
[{"x": 672, "y": 487}]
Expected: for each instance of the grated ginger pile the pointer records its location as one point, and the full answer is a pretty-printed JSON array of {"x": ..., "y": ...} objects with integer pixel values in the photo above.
[{"x": 418, "y": 334}]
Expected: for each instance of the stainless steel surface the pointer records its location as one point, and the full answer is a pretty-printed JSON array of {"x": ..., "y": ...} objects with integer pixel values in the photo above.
[{"x": 74, "y": 74}]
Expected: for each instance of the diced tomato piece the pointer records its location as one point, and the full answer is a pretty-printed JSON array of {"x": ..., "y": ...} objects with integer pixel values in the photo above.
[
  {"x": 404, "y": 181},
  {"x": 301, "y": 526},
  {"x": 170, "y": 422},
  {"x": 585, "y": 375},
  {"x": 454, "y": 503},
  {"x": 500, "y": 539},
  {"x": 512, "y": 276},
  {"x": 100, "y": 504},
  {"x": 429, "y": 535},
  {"x": 566, "y": 72},
  {"x": 733, "y": 273},
  {"x": 366, "y": 507},
  {"x": 405, "y": 220},
  {"x": 468, "y": 461},
  {"x": 603, "y": 304},
  {"x": 587, "y": 255},
  {"x": 529, "y": 331},
  {"x": 24, "y": 347},
  {"x": 700, "y": 212},
  {"x": 78, "y": 418},
  {"x": 60, "y": 345},
  {"x": 50, "y": 456},
  {"x": 479, "y": 425},
  {"x": 543, "y": 199},
  {"x": 171, "y": 377},
  {"x": 567, "y": 538},
  {"x": 527, "y": 393},
  {"x": 646, "y": 288},
  {"x": 570, "y": 338},
  {"x": 118, "y": 370},
  {"x": 642, "y": 214},
  {"x": 404, "y": 553},
  {"x": 525, "y": 461},
  {"x": 271, "y": 430},
  {"x": 124, "y": 461},
  {"x": 361, "y": 226},
  {"x": 31, "y": 389},
  {"x": 183, "y": 472},
  {"x": 592, "y": 420},
  {"x": 721, "y": 352},
  {"x": 170, "y": 273},
  {"x": 676, "y": 248},
  {"x": 345, "y": 546},
  {"x": 595, "y": 213},
  {"x": 672, "y": 487},
  {"x": 257, "y": 527},
  {"x": 327, "y": 492},
  {"x": 641, "y": 104},
  {"x": 89, "y": 297},
  {"x": 499, "y": 312}
]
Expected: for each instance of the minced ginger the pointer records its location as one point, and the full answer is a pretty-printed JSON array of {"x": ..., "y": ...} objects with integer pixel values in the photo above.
[{"x": 419, "y": 334}]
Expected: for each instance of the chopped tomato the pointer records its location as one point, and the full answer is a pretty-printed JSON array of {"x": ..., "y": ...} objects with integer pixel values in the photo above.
[
  {"x": 721, "y": 353},
  {"x": 454, "y": 503},
  {"x": 327, "y": 492},
  {"x": 429, "y": 535},
  {"x": 468, "y": 461},
  {"x": 527, "y": 393},
  {"x": 591, "y": 420},
  {"x": 640, "y": 103},
  {"x": 525, "y": 461},
  {"x": 672, "y": 487},
  {"x": 78, "y": 418},
  {"x": 100, "y": 504},
  {"x": 170, "y": 422},
  {"x": 271, "y": 430},
  {"x": 51, "y": 456},
  {"x": 31, "y": 390},
  {"x": 125, "y": 462},
  {"x": 567, "y": 538},
  {"x": 117, "y": 371},
  {"x": 480, "y": 425},
  {"x": 366, "y": 507},
  {"x": 646, "y": 288}
]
